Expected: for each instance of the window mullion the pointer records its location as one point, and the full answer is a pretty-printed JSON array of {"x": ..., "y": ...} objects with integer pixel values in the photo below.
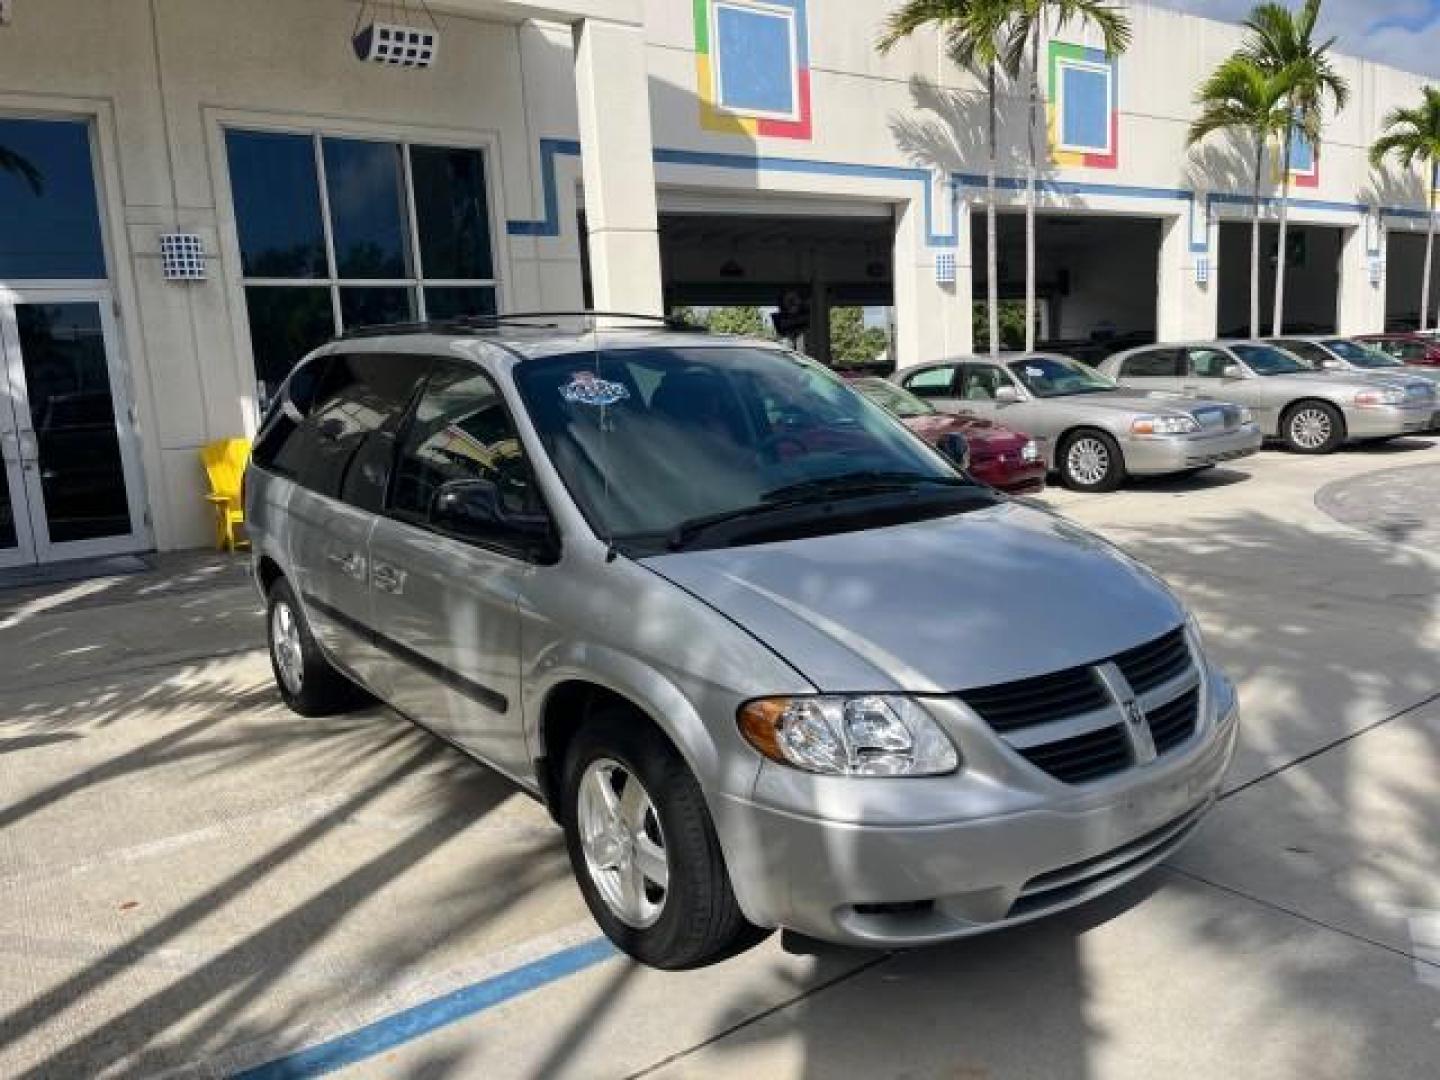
[
  {"x": 331, "y": 268},
  {"x": 417, "y": 267}
]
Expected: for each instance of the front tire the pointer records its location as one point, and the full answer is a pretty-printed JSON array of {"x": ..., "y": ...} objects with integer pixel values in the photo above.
[
  {"x": 309, "y": 684},
  {"x": 1091, "y": 461},
  {"x": 1312, "y": 427},
  {"x": 644, "y": 849}
]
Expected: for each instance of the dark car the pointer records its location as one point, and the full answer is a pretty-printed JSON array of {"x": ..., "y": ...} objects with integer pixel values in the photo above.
[
  {"x": 1000, "y": 457},
  {"x": 1419, "y": 350}
]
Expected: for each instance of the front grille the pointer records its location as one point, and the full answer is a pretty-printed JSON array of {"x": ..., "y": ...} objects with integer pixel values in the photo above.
[
  {"x": 1083, "y": 757},
  {"x": 1420, "y": 391},
  {"x": 1016, "y": 705},
  {"x": 1156, "y": 662},
  {"x": 1076, "y": 699},
  {"x": 1174, "y": 722}
]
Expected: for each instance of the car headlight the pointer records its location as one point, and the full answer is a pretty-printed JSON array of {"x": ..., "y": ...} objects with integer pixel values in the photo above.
[
  {"x": 861, "y": 735},
  {"x": 1030, "y": 452},
  {"x": 1164, "y": 425},
  {"x": 1392, "y": 396}
]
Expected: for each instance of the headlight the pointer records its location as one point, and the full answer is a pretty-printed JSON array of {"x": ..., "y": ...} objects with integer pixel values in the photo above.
[
  {"x": 1393, "y": 396},
  {"x": 1164, "y": 425},
  {"x": 865, "y": 735},
  {"x": 1030, "y": 452}
]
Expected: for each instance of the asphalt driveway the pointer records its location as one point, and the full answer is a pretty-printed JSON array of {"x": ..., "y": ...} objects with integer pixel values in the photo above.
[{"x": 197, "y": 883}]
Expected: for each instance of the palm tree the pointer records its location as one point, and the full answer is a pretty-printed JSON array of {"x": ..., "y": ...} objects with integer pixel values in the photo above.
[
  {"x": 1282, "y": 43},
  {"x": 1413, "y": 135},
  {"x": 972, "y": 31},
  {"x": 1033, "y": 20},
  {"x": 1240, "y": 97}
]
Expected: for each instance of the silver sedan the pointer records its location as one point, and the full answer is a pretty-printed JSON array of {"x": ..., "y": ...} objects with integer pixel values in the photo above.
[
  {"x": 1356, "y": 357},
  {"x": 1090, "y": 431},
  {"x": 1312, "y": 412}
]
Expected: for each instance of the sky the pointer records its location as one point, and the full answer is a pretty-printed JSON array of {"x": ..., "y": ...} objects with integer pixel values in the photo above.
[{"x": 1402, "y": 33}]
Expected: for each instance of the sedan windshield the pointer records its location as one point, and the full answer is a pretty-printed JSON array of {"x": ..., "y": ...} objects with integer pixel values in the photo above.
[
  {"x": 1268, "y": 360},
  {"x": 1053, "y": 376},
  {"x": 893, "y": 399},
  {"x": 1360, "y": 356},
  {"x": 663, "y": 447}
]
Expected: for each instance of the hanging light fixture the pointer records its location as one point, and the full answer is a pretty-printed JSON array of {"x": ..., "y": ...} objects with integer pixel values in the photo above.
[{"x": 397, "y": 42}]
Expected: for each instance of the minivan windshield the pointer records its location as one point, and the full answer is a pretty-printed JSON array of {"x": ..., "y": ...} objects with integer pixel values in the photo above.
[
  {"x": 1268, "y": 360},
  {"x": 664, "y": 447},
  {"x": 1360, "y": 356},
  {"x": 1053, "y": 376}
]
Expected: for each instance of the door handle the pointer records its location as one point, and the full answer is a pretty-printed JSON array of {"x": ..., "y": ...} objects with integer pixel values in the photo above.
[
  {"x": 349, "y": 562},
  {"x": 387, "y": 578}
]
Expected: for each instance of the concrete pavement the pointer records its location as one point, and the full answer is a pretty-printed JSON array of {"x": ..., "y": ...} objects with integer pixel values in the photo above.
[{"x": 198, "y": 882}]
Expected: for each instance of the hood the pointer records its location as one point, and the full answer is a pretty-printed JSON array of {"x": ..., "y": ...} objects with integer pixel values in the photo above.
[
  {"x": 934, "y": 606},
  {"x": 1128, "y": 400},
  {"x": 984, "y": 435}
]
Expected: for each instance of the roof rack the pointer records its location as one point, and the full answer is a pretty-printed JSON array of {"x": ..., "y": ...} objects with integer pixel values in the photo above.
[{"x": 471, "y": 324}]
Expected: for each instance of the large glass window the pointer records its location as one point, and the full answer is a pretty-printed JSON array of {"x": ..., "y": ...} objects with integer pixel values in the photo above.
[
  {"x": 49, "y": 219},
  {"x": 337, "y": 233}
]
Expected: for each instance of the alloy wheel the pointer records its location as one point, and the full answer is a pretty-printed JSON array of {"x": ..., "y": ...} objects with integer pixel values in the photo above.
[
  {"x": 1088, "y": 461},
  {"x": 1310, "y": 428},
  {"x": 624, "y": 847},
  {"x": 285, "y": 642}
]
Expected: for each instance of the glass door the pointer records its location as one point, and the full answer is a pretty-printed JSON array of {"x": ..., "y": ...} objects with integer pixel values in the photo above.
[{"x": 72, "y": 474}]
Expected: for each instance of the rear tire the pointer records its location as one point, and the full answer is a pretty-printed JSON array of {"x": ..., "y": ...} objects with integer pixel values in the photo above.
[
  {"x": 1312, "y": 427},
  {"x": 661, "y": 828},
  {"x": 309, "y": 684},
  {"x": 1090, "y": 460}
]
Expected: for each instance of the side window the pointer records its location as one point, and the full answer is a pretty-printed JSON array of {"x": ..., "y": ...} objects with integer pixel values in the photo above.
[
  {"x": 1154, "y": 364},
  {"x": 1307, "y": 351},
  {"x": 981, "y": 381},
  {"x": 278, "y": 443},
  {"x": 346, "y": 440},
  {"x": 932, "y": 383},
  {"x": 1208, "y": 363},
  {"x": 460, "y": 468}
]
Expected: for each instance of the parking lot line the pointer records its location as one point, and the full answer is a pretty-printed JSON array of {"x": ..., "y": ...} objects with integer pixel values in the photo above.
[{"x": 428, "y": 1016}]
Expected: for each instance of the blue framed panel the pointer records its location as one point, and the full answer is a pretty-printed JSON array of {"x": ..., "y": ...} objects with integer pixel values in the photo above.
[{"x": 757, "y": 58}]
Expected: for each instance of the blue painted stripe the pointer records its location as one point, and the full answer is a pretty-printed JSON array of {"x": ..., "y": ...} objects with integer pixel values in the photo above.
[
  {"x": 422, "y": 1019},
  {"x": 550, "y": 224}
]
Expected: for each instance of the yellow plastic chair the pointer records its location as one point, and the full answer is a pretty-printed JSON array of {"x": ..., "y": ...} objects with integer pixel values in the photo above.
[{"x": 225, "y": 466}]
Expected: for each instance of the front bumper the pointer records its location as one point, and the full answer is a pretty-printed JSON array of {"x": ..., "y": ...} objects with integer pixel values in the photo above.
[
  {"x": 1381, "y": 421},
  {"x": 888, "y": 885},
  {"x": 1159, "y": 454}
]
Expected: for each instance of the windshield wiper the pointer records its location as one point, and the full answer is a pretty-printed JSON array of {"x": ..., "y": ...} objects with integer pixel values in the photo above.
[
  {"x": 811, "y": 493},
  {"x": 864, "y": 482}
]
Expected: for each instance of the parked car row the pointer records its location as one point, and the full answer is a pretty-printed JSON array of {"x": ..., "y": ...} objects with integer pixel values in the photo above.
[{"x": 1175, "y": 408}]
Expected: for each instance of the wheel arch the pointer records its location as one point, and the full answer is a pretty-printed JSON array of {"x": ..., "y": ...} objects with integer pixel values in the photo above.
[{"x": 1300, "y": 402}]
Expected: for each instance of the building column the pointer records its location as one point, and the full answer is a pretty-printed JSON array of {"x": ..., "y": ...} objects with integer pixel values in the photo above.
[
  {"x": 1188, "y": 308},
  {"x": 932, "y": 320},
  {"x": 1361, "y": 299},
  {"x": 618, "y": 167}
]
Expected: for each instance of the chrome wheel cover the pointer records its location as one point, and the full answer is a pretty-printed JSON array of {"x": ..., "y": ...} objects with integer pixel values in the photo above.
[
  {"x": 1087, "y": 461},
  {"x": 1311, "y": 428},
  {"x": 286, "y": 648},
  {"x": 624, "y": 848}
]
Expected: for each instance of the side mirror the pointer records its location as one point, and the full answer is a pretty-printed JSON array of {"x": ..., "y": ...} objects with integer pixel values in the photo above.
[
  {"x": 1231, "y": 371},
  {"x": 1007, "y": 395},
  {"x": 474, "y": 509},
  {"x": 956, "y": 448}
]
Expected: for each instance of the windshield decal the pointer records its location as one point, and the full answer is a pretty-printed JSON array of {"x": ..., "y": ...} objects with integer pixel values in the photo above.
[
  {"x": 587, "y": 388},
  {"x": 1035, "y": 372}
]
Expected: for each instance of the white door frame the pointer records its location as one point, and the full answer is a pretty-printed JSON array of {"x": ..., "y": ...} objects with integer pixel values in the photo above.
[{"x": 27, "y": 496}]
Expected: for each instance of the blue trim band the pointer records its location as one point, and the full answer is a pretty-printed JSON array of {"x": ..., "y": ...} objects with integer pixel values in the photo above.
[
  {"x": 549, "y": 226},
  {"x": 422, "y": 1019}
]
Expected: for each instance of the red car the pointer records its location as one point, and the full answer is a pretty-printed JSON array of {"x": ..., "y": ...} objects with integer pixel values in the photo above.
[
  {"x": 1422, "y": 350},
  {"x": 999, "y": 457}
]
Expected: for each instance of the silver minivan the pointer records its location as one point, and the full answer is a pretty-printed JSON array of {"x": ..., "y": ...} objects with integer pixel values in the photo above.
[{"x": 769, "y": 659}]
